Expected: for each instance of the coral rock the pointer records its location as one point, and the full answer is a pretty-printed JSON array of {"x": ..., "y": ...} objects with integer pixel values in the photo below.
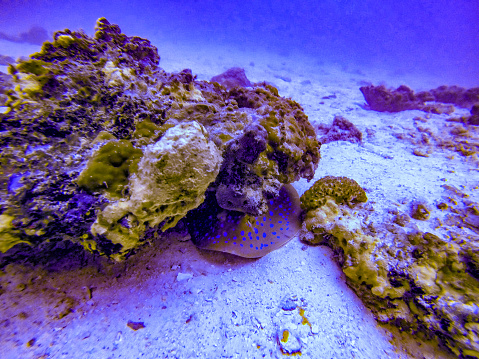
[
  {"x": 341, "y": 189},
  {"x": 380, "y": 98},
  {"x": 341, "y": 130},
  {"x": 456, "y": 95},
  {"x": 101, "y": 147},
  {"x": 234, "y": 77},
  {"x": 415, "y": 280},
  {"x": 172, "y": 178},
  {"x": 474, "y": 119}
]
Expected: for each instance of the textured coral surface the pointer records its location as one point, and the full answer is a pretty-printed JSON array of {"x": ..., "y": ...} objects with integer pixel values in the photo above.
[
  {"x": 341, "y": 189},
  {"x": 102, "y": 147}
]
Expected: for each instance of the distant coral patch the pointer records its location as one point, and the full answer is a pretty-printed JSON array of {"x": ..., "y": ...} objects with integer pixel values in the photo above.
[{"x": 380, "y": 98}]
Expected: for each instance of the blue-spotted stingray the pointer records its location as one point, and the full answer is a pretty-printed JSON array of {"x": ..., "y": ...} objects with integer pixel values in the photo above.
[{"x": 214, "y": 228}]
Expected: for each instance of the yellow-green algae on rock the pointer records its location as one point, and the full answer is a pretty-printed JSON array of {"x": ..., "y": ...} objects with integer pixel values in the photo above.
[
  {"x": 8, "y": 235},
  {"x": 110, "y": 167},
  {"x": 413, "y": 279}
]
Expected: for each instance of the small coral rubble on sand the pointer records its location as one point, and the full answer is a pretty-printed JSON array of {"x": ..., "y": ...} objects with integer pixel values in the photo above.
[
  {"x": 341, "y": 130},
  {"x": 101, "y": 147},
  {"x": 424, "y": 282}
]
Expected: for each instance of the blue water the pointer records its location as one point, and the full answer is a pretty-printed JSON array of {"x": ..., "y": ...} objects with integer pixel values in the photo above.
[{"x": 439, "y": 38}]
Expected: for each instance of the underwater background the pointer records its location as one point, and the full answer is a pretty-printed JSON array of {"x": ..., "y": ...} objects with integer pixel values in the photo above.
[
  {"x": 239, "y": 179},
  {"x": 437, "y": 38}
]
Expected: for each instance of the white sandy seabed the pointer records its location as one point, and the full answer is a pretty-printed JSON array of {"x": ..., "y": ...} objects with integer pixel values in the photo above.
[{"x": 196, "y": 304}]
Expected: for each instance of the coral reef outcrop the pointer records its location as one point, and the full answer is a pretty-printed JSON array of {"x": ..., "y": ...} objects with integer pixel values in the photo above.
[
  {"x": 423, "y": 282},
  {"x": 380, "y": 98},
  {"x": 101, "y": 147}
]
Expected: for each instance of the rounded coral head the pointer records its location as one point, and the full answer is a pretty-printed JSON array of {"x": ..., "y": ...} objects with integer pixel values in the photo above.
[{"x": 342, "y": 189}]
